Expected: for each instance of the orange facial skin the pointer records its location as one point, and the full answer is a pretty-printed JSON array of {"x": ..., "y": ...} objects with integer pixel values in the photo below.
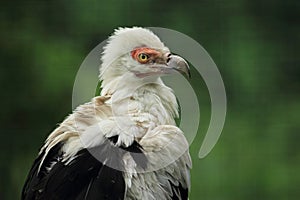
[{"x": 152, "y": 55}]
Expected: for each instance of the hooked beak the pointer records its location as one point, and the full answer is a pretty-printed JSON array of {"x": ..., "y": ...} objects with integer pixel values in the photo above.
[
  {"x": 167, "y": 65},
  {"x": 179, "y": 64}
]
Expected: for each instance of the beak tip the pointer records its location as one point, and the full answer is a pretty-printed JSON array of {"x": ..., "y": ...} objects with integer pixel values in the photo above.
[
  {"x": 179, "y": 64},
  {"x": 189, "y": 74}
]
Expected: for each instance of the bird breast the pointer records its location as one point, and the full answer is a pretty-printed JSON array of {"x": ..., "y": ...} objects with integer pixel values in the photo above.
[{"x": 145, "y": 109}]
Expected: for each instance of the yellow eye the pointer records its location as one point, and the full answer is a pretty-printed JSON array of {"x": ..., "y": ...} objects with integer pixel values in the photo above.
[{"x": 143, "y": 57}]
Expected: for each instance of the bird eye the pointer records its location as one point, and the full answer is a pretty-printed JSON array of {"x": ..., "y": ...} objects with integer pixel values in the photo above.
[{"x": 142, "y": 57}]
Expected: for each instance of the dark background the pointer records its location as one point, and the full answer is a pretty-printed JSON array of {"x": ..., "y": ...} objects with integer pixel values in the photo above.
[{"x": 254, "y": 43}]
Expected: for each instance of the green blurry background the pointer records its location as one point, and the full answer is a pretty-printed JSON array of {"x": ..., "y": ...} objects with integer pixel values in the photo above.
[{"x": 254, "y": 43}]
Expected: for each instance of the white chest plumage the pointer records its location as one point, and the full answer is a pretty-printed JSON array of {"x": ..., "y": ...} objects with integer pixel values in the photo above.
[{"x": 143, "y": 118}]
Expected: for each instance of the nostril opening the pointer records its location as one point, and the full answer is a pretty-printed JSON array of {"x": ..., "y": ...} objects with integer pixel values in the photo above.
[{"x": 168, "y": 59}]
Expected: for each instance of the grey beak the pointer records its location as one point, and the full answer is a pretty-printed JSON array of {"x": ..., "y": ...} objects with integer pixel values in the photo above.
[{"x": 179, "y": 64}]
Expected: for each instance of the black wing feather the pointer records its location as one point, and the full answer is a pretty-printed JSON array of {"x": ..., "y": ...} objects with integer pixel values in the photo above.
[
  {"x": 179, "y": 192},
  {"x": 33, "y": 183},
  {"x": 85, "y": 177}
]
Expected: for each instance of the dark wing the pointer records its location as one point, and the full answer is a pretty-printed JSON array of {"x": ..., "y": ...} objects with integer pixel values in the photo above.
[
  {"x": 179, "y": 192},
  {"x": 85, "y": 177}
]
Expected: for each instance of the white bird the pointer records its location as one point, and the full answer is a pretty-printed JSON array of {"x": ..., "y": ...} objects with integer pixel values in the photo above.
[{"x": 124, "y": 144}]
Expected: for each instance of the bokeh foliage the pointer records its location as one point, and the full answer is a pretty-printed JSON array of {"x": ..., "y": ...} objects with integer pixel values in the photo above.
[{"x": 254, "y": 43}]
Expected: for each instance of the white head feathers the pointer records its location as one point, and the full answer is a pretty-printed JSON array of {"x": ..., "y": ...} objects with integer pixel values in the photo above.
[
  {"x": 124, "y": 40},
  {"x": 121, "y": 43}
]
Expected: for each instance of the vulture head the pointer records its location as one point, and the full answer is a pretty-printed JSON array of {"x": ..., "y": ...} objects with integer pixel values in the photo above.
[{"x": 138, "y": 54}]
